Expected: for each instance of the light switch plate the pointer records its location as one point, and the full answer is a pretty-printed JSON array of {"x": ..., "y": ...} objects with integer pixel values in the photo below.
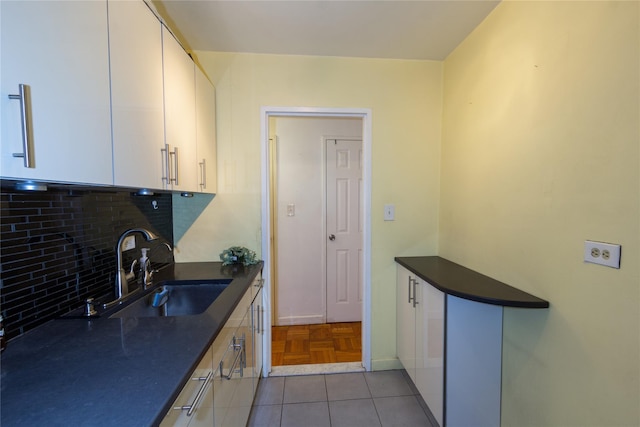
[
  {"x": 606, "y": 254},
  {"x": 389, "y": 212}
]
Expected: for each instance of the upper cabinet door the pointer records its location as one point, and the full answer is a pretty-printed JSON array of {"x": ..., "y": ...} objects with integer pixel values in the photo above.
[
  {"x": 135, "y": 43},
  {"x": 179, "y": 114},
  {"x": 59, "y": 49},
  {"x": 206, "y": 134}
]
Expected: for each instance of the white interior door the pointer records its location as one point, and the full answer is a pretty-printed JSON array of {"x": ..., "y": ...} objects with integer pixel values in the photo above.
[{"x": 344, "y": 230}]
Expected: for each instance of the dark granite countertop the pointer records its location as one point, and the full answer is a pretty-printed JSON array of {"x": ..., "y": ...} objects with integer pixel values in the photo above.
[
  {"x": 454, "y": 279},
  {"x": 113, "y": 372}
]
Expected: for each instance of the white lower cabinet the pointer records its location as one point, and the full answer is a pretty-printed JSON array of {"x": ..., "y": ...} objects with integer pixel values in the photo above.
[
  {"x": 232, "y": 384},
  {"x": 406, "y": 321},
  {"x": 458, "y": 373},
  {"x": 420, "y": 337},
  {"x": 257, "y": 308},
  {"x": 430, "y": 347},
  {"x": 224, "y": 383},
  {"x": 194, "y": 405}
]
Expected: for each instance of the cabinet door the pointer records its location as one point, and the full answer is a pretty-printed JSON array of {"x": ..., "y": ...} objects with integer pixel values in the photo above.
[
  {"x": 257, "y": 308},
  {"x": 406, "y": 320},
  {"x": 231, "y": 380},
  {"x": 206, "y": 134},
  {"x": 59, "y": 49},
  {"x": 135, "y": 46},
  {"x": 197, "y": 393},
  {"x": 429, "y": 377},
  {"x": 179, "y": 114}
]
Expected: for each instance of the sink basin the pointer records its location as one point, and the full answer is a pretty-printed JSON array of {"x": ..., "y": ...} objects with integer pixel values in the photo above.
[{"x": 175, "y": 300}]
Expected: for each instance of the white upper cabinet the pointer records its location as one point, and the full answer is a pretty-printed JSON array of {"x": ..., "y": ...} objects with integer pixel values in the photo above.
[
  {"x": 135, "y": 41},
  {"x": 179, "y": 116},
  {"x": 206, "y": 133},
  {"x": 59, "y": 49}
]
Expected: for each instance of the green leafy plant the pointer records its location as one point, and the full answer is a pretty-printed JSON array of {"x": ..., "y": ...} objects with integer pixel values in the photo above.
[{"x": 238, "y": 255}]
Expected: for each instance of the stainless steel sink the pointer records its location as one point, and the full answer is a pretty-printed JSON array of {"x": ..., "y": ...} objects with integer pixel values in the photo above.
[{"x": 175, "y": 300}]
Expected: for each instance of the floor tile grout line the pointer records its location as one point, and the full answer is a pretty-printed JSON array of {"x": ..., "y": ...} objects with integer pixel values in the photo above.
[
  {"x": 377, "y": 412},
  {"x": 284, "y": 385},
  {"x": 328, "y": 401}
]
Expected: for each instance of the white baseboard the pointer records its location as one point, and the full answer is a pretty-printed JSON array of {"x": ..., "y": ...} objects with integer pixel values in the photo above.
[
  {"x": 386, "y": 364},
  {"x": 300, "y": 320},
  {"x": 323, "y": 368}
]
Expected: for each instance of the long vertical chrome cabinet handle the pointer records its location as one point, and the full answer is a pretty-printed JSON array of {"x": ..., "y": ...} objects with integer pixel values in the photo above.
[
  {"x": 415, "y": 300},
  {"x": 409, "y": 290},
  {"x": 175, "y": 160},
  {"x": 258, "y": 330},
  {"x": 238, "y": 360},
  {"x": 27, "y": 126},
  {"x": 166, "y": 173},
  {"x": 203, "y": 174}
]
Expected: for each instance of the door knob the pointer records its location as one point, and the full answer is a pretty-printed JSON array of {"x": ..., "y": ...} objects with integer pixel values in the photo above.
[{"x": 332, "y": 237}]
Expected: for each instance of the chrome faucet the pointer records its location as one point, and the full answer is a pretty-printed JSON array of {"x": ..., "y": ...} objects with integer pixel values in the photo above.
[{"x": 122, "y": 277}]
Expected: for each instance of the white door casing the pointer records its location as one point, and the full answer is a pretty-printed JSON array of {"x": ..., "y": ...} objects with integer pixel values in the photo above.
[
  {"x": 344, "y": 230},
  {"x": 366, "y": 115}
]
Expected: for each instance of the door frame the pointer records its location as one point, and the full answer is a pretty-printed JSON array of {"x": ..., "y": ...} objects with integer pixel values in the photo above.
[{"x": 365, "y": 115}]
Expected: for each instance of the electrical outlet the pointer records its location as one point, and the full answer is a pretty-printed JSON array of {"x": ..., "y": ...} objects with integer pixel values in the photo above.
[
  {"x": 606, "y": 254},
  {"x": 129, "y": 243}
]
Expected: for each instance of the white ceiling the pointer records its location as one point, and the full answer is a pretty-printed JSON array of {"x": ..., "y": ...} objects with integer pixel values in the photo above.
[{"x": 419, "y": 29}]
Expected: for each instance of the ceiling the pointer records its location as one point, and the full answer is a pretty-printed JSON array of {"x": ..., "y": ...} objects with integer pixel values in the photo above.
[{"x": 418, "y": 29}]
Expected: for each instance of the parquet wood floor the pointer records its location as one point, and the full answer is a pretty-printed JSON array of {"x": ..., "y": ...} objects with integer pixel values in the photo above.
[{"x": 313, "y": 344}]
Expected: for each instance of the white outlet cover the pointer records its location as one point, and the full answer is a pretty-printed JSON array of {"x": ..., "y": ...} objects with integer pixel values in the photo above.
[{"x": 613, "y": 251}]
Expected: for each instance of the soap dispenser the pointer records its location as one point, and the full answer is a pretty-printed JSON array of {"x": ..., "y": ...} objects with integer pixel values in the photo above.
[{"x": 145, "y": 268}]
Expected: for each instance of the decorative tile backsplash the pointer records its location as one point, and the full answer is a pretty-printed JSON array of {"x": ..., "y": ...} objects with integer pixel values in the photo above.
[{"x": 57, "y": 248}]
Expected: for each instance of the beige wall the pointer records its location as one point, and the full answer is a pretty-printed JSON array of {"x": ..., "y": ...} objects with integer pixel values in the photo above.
[
  {"x": 405, "y": 99},
  {"x": 540, "y": 152}
]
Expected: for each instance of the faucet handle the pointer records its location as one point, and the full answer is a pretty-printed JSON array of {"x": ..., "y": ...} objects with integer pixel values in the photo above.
[{"x": 131, "y": 274}]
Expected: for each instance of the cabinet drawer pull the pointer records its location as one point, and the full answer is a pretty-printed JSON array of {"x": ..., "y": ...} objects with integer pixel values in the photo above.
[
  {"x": 192, "y": 407},
  {"x": 166, "y": 172},
  {"x": 174, "y": 153},
  {"x": 412, "y": 284},
  {"x": 238, "y": 361},
  {"x": 24, "y": 96},
  {"x": 203, "y": 174},
  {"x": 258, "y": 309}
]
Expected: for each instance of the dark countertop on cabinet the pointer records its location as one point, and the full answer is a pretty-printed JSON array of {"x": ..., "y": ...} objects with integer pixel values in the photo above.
[
  {"x": 113, "y": 372},
  {"x": 454, "y": 279}
]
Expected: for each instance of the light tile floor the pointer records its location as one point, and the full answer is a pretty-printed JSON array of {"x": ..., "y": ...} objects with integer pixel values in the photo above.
[{"x": 368, "y": 399}]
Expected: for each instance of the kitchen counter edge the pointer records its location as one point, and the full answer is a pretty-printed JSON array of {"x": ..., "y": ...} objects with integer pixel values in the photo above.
[{"x": 462, "y": 282}]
